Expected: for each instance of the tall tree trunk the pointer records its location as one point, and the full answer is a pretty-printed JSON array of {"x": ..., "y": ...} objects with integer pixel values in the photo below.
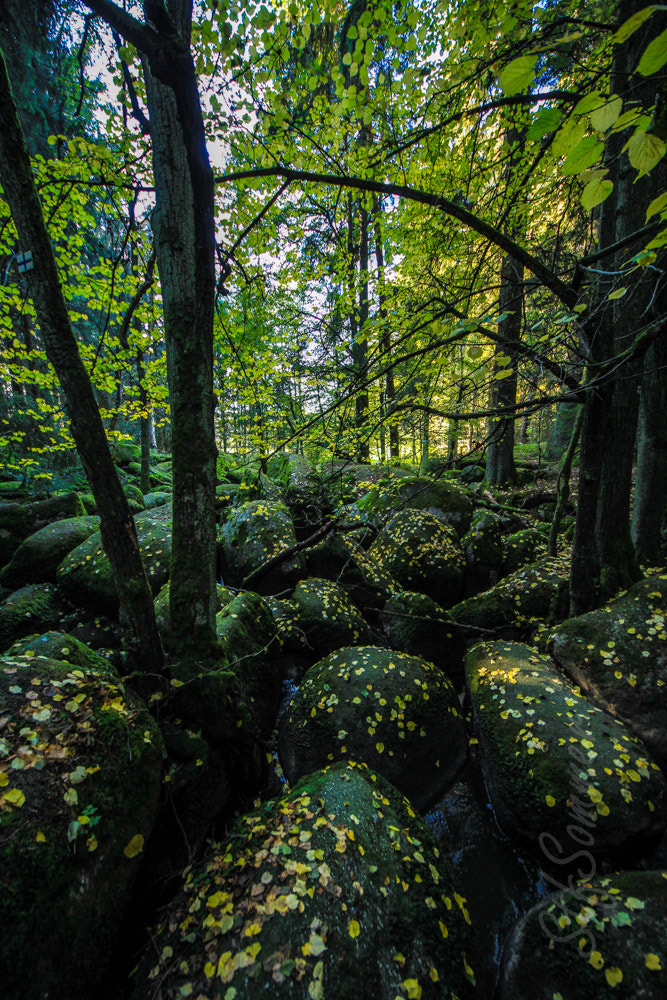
[
  {"x": 651, "y": 481},
  {"x": 500, "y": 468},
  {"x": 145, "y": 428},
  {"x": 389, "y": 393},
  {"x": 603, "y": 558},
  {"x": 116, "y": 523},
  {"x": 360, "y": 348}
]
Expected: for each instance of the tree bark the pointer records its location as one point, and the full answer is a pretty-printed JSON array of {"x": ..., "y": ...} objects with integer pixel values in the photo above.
[
  {"x": 116, "y": 523},
  {"x": 651, "y": 480},
  {"x": 500, "y": 469}
]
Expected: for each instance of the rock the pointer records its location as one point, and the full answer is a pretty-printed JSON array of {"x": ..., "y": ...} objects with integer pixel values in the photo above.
[
  {"x": 39, "y": 555},
  {"x": 135, "y": 498},
  {"x": 304, "y": 494},
  {"x": 442, "y": 498},
  {"x": 422, "y": 554},
  {"x": 523, "y": 547},
  {"x": 605, "y": 939},
  {"x": 328, "y": 618},
  {"x": 60, "y": 646},
  {"x": 473, "y": 474},
  {"x": 336, "y": 890},
  {"x": 252, "y": 534},
  {"x": 85, "y": 577},
  {"x": 156, "y": 499},
  {"x": 96, "y": 631},
  {"x": 56, "y": 509},
  {"x": 16, "y": 523},
  {"x": 248, "y": 636},
  {"x": 290, "y": 632},
  {"x": 125, "y": 452},
  {"x": 483, "y": 550},
  {"x": 416, "y": 625},
  {"x": 528, "y": 597},
  {"x": 35, "y": 608},
  {"x": 618, "y": 655},
  {"x": 397, "y": 713},
  {"x": 89, "y": 503},
  {"x": 342, "y": 559},
  {"x": 74, "y": 821},
  {"x": 560, "y": 772}
]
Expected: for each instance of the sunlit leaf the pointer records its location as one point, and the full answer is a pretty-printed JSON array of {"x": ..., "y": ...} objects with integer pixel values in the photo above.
[
  {"x": 595, "y": 192},
  {"x": 644, "y": 151},
  {"x": 134, "y": 847},
  {"x": 518, "y": 75},
  {"x": 587, "y": 152},
  {"x": 654, "y": 56},
  {"x": 630, "y": 26}
]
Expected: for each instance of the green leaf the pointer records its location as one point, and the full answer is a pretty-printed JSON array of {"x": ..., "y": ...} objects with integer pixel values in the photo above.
[
  {"x": 654, "y": 56},
  {"x": 568, "y": 136},
  {"x": 588, "y": 103},
  {"x": 657, "y": 205},
  {"x": 518, "y": 75},
  {"x": 587, "y": 152},
  {"x": 595, "y": 192},
  {"x": 545, "y": 121},
  {"x": 632, "y": 23},
  {"x": 607, "y": 115},
  {"x": 503, "y": 373},
  {"x": 644, "y": 151},
  {"x": 618, "y": 294}
]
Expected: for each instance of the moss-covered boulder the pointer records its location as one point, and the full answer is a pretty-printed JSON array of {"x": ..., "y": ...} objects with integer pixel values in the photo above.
[
  {"x": 600, "y": 940},
  {"x": 89, "y": 502},
  {"x": 291, "y": 635},
  {"x": 341, "y": 558},
  {"x": 336, "y": 890},
  {"x": 530, "y": 596},
  {"x": 328, "y": 617},
  {"x": 223, "y": 597},
  {"x": 442, "y": 498},
  {"x": 16, "y": 523},
  {"x": 483, "y": 549},
  {"x": 79, "y": 779},
  {"x": 56, "y": 508},
  {"x": 35, "y": 608},
  {"x": 618, "y": 655},
  {"x": 60, "y": 646},
  {"x": 156, "y": 499},
  {"x": 135, "y": 498},
  {"x": 252, "y": 534},
  {"x": 560, "y": 772},
  {"x": 396, "y": 713},
  {"x": 422, "y": 554},
  {"x": 95, "y": 631},
  {"x": 415, "y": 624},
  {"x": 39, "y": 555},
  {"x": 523, "y": 547},
  {"x": 85, "y": 577},
  {"x": 303, "y": 490},
  {"x": 248, "y": 635},
  {"x": 125, "y": 452}
]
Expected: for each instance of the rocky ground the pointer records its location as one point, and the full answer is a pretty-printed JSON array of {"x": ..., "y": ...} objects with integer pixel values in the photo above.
[{"x": 410, "y": 776}]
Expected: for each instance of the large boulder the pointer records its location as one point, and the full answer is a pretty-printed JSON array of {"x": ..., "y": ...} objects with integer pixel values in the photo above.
[
  {"x": 605, "y": 939},
  {"x": 397, "y": 713},
  {"x": 56, "y": 508},
  {"x": 38, "y": 556},
  {"x": 444, "y": 499},
  {"x": 328, "y": 617},
  {"x": 342, "y": 559},
  {"x": 248, "y": 635},
  {"x": 522, "y": 547},
  {"x": 422, "y": 554},
  {"x": 530, "y": 596},
  {"x": 35, "y": 608},
  {"x": 336, "y": 890},
  {"x": 60, "y": 646},
  {"x": 560, "y": 772},
  {"x": 252, "y": 534},
  {"x": 85, "y": 576},
  {"x": 80, "y": 774},
  {"x": 618, "y": 655},
  {"x": 16, "y": 523},
  {"x": 415, "y": 624},
  {"x": 483, "y": 549}
]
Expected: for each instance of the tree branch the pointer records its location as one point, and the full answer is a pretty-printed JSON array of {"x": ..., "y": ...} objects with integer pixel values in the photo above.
[{"x": 561, "y": 290}]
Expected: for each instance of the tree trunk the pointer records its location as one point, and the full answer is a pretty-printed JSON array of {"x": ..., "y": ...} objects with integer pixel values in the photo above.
[
  {"x": 385, "y": 335},
  {"x": 603, "y": 558},
  {"x": 145, "y": 429},
  {"x": 651, "y": 482},
  {"x": 500, "y": 468},
  {"x": 116, "y": 523},
  {"x": 183, "y": 223}
]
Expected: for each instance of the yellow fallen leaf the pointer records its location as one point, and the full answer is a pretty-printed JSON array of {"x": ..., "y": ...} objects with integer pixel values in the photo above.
[
  {"x": 15, "y": 796},
  {"x": 135, "y": 846},
  {"x": 596, "y": 959},
  {"x": 39, "y": 837},
  {"x": 550, "y": 800},
  {"x": 614, "y": 976},
  {"x": 353, "y": 928},
  {"x": 652, "y": 962}
]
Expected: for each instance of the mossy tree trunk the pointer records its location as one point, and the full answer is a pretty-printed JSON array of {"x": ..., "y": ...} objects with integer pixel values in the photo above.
[
  {"x": 651, "y": 481},
  {"x": 603, "y": 559},
  {"x": 500, "y": 468},
  {"x": 184, "y": 227},
  {"x": 116, "y": 523}
]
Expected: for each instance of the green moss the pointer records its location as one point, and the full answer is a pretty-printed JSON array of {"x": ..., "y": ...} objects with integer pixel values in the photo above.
[
  {"x": 328, "y": 618},
  {"x": 61, "y": 646}
]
